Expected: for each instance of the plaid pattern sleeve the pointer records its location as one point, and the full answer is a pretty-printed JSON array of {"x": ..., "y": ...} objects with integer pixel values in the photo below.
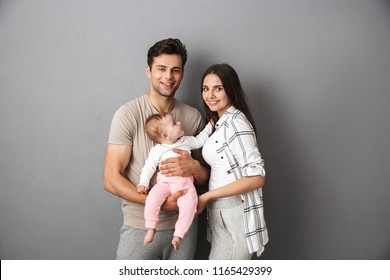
[{"x": 241, "y": 140}]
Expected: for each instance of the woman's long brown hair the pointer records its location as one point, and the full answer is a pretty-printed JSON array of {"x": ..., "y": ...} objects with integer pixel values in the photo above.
[{"x": 233, "y": 89}]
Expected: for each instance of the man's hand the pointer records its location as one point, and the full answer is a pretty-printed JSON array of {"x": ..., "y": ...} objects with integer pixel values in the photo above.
[
  {"x": 170, "y": 203},
  {"x": 183, "y": 166}
]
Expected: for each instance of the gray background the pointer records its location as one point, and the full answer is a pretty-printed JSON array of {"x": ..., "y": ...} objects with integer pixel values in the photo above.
[{"x": 317, "y": 77}]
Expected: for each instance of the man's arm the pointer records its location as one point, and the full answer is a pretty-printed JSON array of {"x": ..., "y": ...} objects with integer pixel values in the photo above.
[{"x": 115, "y": 163}]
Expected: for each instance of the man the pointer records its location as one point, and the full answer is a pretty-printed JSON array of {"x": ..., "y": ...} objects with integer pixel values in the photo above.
[{"x": 128, "y": 147}]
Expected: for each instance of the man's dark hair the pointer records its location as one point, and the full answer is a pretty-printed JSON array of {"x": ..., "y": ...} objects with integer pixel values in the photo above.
[{"x": 167, "y": 46}]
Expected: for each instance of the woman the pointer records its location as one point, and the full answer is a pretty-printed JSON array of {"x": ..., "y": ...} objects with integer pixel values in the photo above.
[{"x": 234, "y": 199}]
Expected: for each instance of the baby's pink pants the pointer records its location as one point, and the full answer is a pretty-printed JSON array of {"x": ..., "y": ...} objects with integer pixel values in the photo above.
[{"x": 187, "y": 203}]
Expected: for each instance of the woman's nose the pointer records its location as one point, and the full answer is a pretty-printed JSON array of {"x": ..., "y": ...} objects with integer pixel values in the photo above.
[{"x": 211, "y": 94}]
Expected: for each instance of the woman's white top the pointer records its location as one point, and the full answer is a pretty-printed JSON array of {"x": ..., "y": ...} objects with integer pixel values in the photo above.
[{"x": 219, "y": 165}]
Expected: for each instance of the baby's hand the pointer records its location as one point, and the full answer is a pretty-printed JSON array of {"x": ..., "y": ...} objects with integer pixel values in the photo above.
[{"x": 142, "y": 189}]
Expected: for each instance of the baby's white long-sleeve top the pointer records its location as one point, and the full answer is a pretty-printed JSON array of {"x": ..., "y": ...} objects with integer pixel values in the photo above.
[{"x": 161, "y": 152}]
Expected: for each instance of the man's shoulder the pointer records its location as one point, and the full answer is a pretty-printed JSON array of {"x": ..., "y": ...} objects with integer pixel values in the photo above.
[
  {"x": 183, "y": 107},
  {"x": 190, "y": 118},
  {"x": 135, "y": 102},
  {"x": 133, "y": 106}
]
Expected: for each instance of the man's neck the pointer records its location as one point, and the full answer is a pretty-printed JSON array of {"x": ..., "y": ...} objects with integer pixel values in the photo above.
[{"x": 160, "y": 103}]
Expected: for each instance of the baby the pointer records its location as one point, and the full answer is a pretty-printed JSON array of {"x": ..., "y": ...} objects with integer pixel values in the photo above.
[{"x": 167, "y": 133}]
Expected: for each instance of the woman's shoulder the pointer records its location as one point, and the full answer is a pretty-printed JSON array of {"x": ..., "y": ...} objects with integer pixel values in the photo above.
[{"x": 238, "y": 118}]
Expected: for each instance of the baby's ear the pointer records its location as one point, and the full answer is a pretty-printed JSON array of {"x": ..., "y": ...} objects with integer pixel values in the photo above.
[{"x": 164, "y": 136}]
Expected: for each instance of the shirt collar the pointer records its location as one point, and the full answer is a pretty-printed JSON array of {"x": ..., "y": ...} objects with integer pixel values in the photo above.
[{"x": 231, "y": 110}]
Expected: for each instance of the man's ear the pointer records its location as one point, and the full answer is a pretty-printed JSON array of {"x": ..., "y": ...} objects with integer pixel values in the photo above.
[{"x": 148, "y": 70}]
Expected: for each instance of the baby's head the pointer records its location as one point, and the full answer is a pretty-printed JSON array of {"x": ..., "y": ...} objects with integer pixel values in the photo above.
[{"x": 163, "y": 128}]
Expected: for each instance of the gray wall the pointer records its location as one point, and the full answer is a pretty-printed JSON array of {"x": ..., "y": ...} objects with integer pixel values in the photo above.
[{"x": 317, "y": 77}]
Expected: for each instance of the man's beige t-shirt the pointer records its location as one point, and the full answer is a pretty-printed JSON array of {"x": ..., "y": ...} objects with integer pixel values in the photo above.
[{"x": 128, "y": 128}]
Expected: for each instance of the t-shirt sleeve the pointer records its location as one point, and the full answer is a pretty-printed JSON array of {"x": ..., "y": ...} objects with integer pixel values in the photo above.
[
  {"x": 122, "y": 127},
  {"x": 200, "y": 122}
]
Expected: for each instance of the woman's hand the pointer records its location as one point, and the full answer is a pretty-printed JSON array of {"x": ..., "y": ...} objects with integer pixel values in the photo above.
[{"x": 202, "y": 203}]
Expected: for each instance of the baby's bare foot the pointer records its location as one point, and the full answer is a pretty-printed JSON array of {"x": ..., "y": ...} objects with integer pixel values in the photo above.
[
  {"x": 176, "y": 241},
  {"x": 149, "y": 236}
]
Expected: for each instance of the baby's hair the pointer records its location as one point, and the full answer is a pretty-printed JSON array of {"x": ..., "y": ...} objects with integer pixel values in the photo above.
[{"x": 153, "y": 126}]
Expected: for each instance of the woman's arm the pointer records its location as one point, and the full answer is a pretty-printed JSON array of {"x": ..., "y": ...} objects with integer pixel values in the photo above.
[{"x": 240, "y": 186}]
